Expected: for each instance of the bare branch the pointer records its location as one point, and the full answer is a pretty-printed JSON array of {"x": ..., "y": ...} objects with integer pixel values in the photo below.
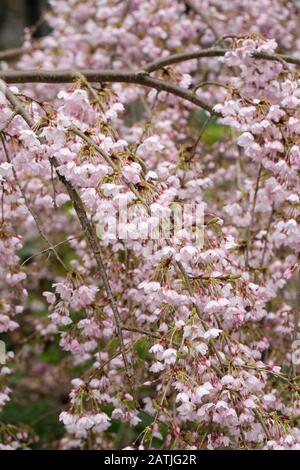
[
  {"x": 141, "y": 331},
  {"x": 183, "y": 57},
  {"x": 46, "y": 250},
  {"x": 13, "y": 53}
]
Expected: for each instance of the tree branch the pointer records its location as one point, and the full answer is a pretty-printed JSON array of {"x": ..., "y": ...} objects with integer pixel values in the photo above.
[
  {"x": 86, "y": 225},
  {"x": 139, "y": 77},
  {"x": 177, "y": 263},
  {"x": 213, "y": 52},
  {"x": 13, "y": 53},
  {"x": 93, "y": 242},
  {"x": 31, "y": 211},
  {"x": 183, "y": 57}
]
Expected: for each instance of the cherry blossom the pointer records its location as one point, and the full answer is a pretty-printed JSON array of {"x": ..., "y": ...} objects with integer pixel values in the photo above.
[{"x": 197, "y": 337}]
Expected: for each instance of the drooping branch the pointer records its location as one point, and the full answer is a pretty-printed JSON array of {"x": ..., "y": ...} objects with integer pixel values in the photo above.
[
  {"x": 35, "y": 217},
  {"x": 93, "y": 242},
  {"x": 139, "y": 77},
  {"x": 178, "y": 263},
  {"x": 213, "y": 52},
  {"x": 87, "y": 226},
  {"x": 183, "y": 57},
  {"x": 278, "y": 57}
]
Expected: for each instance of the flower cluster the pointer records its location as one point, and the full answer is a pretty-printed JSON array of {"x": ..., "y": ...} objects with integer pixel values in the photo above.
[{"x": 192, "y": 335}]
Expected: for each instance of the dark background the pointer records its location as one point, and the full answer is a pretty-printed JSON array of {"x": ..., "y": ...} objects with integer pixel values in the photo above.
[{"x": 15, "y": 15}]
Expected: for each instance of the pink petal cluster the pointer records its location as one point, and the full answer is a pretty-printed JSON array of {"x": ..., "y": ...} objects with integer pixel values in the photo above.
[{"x": 204, "y": 331}]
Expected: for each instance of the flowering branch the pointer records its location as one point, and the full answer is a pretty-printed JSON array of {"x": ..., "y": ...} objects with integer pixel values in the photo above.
[
  {"x": 139, "y": 77},
  {"x": 93, "y": 242},
  {"x": 205, "y": 325},
  {"x": 33, "y": 214},
  {"x": 213, "y": 52},
  {"x": 87, "y": 226}
]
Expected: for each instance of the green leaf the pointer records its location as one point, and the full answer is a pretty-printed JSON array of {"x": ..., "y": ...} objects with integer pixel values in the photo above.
[
  {"x": 213, "y": 131},
  {"x": 52, "y": 355},
  {"x": 141, "y": 347}
]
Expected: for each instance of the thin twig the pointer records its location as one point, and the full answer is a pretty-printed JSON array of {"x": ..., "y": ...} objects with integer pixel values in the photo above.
[
  {"x": 248, "y": 234},
  {"x": 183, "y": 57},
  {"x": 2, "y": 202},
  {"x": 93, "y": 144},
  {"x": 203, "y": 16},
  {"x": 46, "y": 250},
  {"x": 13, "y": 53},
  {"x": 262, "y": 423},
  {"x": 93, "y": 242},
  {"x": 296, "y": 328},
  {"x": 178, "y": 264},
  {"x": 266, "y": 239},
  {"x": 141, "y": 331},
  {"x": 202, "y": 130},
  {"x": 86, "y": 225},
  {"x": 31, "y": 211},
  {"x": 8, "y": 122}
]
